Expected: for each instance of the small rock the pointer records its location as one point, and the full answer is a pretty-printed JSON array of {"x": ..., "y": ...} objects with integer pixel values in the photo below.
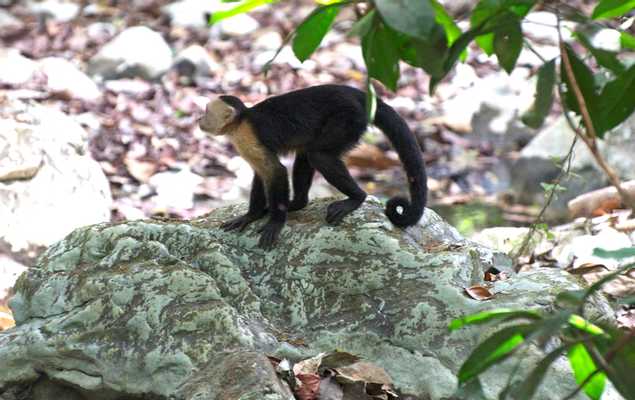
[
  {"x": 100, "y": 32},
  {"x": 542, "y": 26},
  {"x": 269, "y": 40},
  {"x": 62, "y": 11},
  {"x": 195, "y": 60},
  {"x": 286, "y": 56},
  {"x": 15, "y": 69},
  {"x": 9, "y": 23},
  {"x": 239, "y": 25},
  {"x": 193, "y": 13},
  {"x": 122, "y": 57},
  {"x": 132, "y": 87},
  {"x": 607, "y": 39},
  {"x": 64, "y": 77},
  {"x": 10, "y": 270},
  {"x": 175, "y": 190}
]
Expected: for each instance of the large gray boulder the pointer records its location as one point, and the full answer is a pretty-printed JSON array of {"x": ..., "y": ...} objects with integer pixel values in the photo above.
[
  {"x": 49, "y": 184},
  {"x": 182, "y": 310},
  {"x": 536, "y": 164}
]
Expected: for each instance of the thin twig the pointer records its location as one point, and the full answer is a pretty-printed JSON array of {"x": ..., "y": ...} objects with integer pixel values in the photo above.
[{"x": 590, "y": 136}]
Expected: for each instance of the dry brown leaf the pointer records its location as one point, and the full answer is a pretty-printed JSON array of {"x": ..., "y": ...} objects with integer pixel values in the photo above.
[
  {"x": 309, "y": 386},
  {"x": 370, "y": 156},
  {"x": 363, "y": 371},
  {"x": 308, "y": 366},
  {"x": 478, "y": 292},
  {"x": 141, "y": 170},
  {"x": 6, "y": 318},
  {"x": 588, "y": 267},
  {"x": 606, "y": 207}
]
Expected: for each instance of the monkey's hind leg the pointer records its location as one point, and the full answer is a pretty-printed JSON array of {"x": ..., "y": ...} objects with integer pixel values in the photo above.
[
  {"x": 335, "y": 172},
  {"x": 302, "y": 177}
]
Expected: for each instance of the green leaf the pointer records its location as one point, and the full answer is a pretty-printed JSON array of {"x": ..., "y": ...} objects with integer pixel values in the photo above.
[
  {"x": 311, "y": 31},
  {"x": 493, "y": 350},
  {"x": 612, "y": 8},
  {"x": 242, "y": 8},
  {"x": 489, "y": 10},
  {"x": 452, "y": 30},
  {"x": 619, "y": 254},
  {"x": 429, "y": 54},
  {"x": 371, "y": 101},
  {"x": 361, "y": 27},
  {"x": 415, "y": 18},
  {"x": 535, "y": 116},
  {"x": 584, "y": 325},
  {"x": 528, "y": 387},
  {"x": 484, "y": 10},
  {"x": 582, "y": 365},
  {"x": 584, "y": 78},
  {"x": 492, "y": 315},
  {"x": 381, "y": 55},
  {"x": 616, "y": 101},
  {"x": 508, "y": 41},
  {"x": 607, "y": 59},
  {"x": 627, "y": 41},
  {"x": 627, "y": 300}
]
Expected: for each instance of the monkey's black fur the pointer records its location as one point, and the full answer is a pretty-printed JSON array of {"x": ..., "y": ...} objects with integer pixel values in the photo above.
[{"x": 320, "y": 124}]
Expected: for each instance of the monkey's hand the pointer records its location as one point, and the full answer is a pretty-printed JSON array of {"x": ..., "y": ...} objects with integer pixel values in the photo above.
[
  {"x": 270, "y": 232},
  {"x": 240, "y": 223}
]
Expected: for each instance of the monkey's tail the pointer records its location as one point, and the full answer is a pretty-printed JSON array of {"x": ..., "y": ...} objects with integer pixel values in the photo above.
[{"x": 407, "y": 147}]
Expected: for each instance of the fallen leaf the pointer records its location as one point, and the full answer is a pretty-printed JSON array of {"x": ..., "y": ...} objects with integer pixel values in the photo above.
[
  {"x": 309, "y": 386},
  {"x": 309, "y": 366},
  {"x": 6, "y": 318},
  {"x": 141, "y": 170},
  {"x": 370, "y": 156},
  {"x": 587, "y": 268},
  {"x": 479, "y": 292},
  {"x": 363, "y": 371}
]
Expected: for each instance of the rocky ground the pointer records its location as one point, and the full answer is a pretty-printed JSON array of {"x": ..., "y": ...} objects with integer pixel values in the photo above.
[{"x": 127, "y": 80}]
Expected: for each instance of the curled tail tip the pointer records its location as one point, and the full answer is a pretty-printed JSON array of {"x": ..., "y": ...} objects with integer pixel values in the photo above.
[{"x": 410, "y": 214}]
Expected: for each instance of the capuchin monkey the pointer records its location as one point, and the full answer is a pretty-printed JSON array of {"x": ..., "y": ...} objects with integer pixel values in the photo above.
[{"x": 320, "y": 124}]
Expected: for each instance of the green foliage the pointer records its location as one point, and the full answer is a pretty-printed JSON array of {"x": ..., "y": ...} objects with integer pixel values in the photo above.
[
  {"x": 422, "y": 34},
  {"x": 586, "y": 372},
  {"x": 612, "y": 8},
  {"x": 309, "y": 34},
  {"x": 588, "y": 346},
  {"x": 380, "y": 54},
  {"x": 494, "y": 349},
  {"x": 415, "y": 18},
  {"x": 508, "y": 41},
  {"x": 243, "y": 7}
]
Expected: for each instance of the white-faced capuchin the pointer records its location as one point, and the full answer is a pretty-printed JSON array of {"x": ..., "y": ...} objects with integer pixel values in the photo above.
[{"x": 320, "y": 124}]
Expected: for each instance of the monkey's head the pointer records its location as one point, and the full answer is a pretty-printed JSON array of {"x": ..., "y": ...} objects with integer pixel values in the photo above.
[{"x": 218, "y": 116}]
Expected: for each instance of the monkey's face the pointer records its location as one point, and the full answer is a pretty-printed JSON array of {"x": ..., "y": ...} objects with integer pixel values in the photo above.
[{"x": 218, "y": 115}]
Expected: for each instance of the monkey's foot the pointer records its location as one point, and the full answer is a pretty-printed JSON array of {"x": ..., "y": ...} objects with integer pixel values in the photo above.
[
  {"x": 336, "y": 211},
  {"x": 298, "y": 204},
  {"x": 241, "y": 222},
  {"x": 270, "y": 232}
]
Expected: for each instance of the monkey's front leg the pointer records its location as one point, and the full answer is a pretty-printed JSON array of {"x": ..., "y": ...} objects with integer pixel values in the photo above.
[
  {"x": 257, "y": 208},
  {"x": 278, "y": 194}
]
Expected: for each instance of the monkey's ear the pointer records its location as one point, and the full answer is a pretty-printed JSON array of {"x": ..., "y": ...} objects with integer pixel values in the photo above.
[{"x": 218, "y": 116}]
